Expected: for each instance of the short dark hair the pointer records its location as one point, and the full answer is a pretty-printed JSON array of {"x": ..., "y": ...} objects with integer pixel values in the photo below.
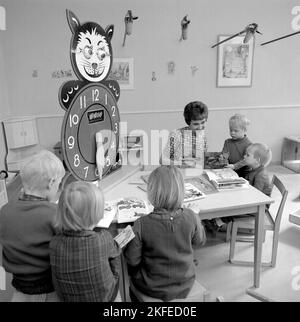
[{"x": 195, "y": 111}]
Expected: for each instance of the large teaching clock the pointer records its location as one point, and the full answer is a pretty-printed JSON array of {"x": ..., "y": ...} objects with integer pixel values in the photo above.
[
  {"x": 90, "y": 103},
  {"x": 93, "y": 109}
]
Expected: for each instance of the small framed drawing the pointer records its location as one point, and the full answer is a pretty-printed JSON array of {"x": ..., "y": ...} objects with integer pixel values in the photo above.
[
  {"x": 235, "y": 61},
  {"x": 122, "y": 71}
]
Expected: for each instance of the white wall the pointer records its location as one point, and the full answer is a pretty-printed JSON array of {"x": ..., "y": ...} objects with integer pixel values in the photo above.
[{"x": 38, "y": 38}]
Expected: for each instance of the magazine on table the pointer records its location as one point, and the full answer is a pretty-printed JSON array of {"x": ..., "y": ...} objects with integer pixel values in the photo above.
[
  {"x": 203, "y": 184},
  {"x": 226, "y": 178},
  {"x": 192, "y": 193},
  {"x": 130, "y": 209}
]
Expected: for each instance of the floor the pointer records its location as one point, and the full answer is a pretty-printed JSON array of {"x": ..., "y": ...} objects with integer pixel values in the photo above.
[
  {"x": 221, "y": 278},
  {"x": 281, "y": 283}
]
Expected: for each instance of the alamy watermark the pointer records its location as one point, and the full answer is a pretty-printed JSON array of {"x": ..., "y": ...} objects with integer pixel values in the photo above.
[
  {"x": 2, "y": 279},
  {"x": 296, "y": 280}
]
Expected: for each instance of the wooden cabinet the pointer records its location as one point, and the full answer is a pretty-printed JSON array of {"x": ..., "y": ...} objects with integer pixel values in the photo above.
[
  {"x": 21, "y": 140},
  {"x": 290, "y": 154},
  {"x": 20, "y": 133}
]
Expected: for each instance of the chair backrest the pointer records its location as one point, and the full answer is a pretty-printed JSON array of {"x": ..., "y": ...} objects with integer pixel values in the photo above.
[
  {"x": 202, "y": 295},
  {"x": 283, "y": 191},
  {"x": 259, "y": 296}
]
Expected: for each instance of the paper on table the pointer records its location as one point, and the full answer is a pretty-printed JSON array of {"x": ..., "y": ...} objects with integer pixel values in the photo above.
[
  {"x": 192, "y": 193},
  {"x": 125, "y": 236},
  {"x": 110, "y": 211},
  {"x": 130, "y": 209}
]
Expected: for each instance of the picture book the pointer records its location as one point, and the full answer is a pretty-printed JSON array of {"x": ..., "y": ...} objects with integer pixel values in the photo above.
[
  {"x": 192, "y": 193},
  {"x": 215, "y": 160},
  {"x": 125, "y": 236},
  {"x": 130, "y": 209},
  {"x": 110, "y": 210},
  {"x": 226, "y": 178},
  {"x": 202, "y": 184}
]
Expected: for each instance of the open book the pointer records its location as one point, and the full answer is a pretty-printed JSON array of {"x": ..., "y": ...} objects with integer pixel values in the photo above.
[
  {"x": 130, "y": 209},
  {"x": 192, "y": 193},
  {"x": 226, "y": 178},
  {"x": 215, "y": 160},
  {"x": 110, "y": 211}
]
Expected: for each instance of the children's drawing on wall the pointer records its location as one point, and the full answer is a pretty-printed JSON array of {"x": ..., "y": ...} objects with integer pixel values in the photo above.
[
  {"x": 122, "y": 71},
  {"x": 235, "y": 62},
  {"x": 61, "y": 73},
  {"x": 171, "y": 67}
]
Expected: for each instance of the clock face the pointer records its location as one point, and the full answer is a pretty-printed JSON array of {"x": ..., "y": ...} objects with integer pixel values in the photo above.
[{"x": 93, "y": 109}]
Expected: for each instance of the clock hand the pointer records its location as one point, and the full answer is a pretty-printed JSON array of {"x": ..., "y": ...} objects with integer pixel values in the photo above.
[{"x": 99, "y": 154}]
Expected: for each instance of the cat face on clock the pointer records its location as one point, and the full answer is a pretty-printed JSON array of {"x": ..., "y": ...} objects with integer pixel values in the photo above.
[{"x": 91, "y": 51}]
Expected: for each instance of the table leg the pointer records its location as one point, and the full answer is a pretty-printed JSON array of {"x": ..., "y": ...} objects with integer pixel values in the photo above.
[
  {"x": 124, "y": 281},
  {"x": 259, "y": 229}
]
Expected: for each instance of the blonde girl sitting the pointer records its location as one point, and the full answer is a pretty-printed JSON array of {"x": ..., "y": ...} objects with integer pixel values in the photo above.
[
  {"x": 160, "y": 257},
  {"x": 85, "y": 264}
]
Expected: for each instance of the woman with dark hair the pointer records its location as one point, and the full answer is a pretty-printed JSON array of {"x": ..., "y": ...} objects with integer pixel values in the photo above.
[{"x": 188, "y": 143}]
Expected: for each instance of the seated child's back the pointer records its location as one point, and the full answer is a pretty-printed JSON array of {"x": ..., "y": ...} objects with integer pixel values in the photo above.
[
  {"x": 85, "y": 264},
  {"x": 160, "y": 257},
  {"x": 27, "y": 225}
]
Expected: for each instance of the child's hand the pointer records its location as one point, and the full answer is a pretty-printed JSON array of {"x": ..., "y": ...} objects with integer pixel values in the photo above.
[{"x": 231, "y": 166}]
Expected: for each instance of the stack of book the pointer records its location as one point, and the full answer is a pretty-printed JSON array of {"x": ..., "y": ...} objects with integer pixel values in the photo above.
[{"x": 226, "y": 178}]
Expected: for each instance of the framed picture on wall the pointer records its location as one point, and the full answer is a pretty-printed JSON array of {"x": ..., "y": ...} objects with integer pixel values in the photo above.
[
  {"x": 122, "y": 71},
  {"x": 235, "y": 62}
]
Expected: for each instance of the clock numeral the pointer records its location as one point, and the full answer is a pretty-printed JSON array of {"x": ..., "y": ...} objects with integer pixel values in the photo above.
[
  {"x": 76, "y": 160},
  {"x": 108, "y": 162},
  {"x": 74, "y": 119},
  {"x": 105, "y": 98},
  {"x": 95, "y": 95},
  {"x": 116, "y": 128},
  {"x": 86, "y": 172},
  {"x": 82, "y": 101},
  {"x": 113, "y": 108},
  {"x": 71, "y": 142}
]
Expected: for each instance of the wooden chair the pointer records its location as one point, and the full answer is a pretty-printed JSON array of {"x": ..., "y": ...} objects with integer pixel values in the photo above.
[
  {"x": 272, "y": 223},
  {"x": 258, "y": 296},
  {"x": 198, "y": 293}
]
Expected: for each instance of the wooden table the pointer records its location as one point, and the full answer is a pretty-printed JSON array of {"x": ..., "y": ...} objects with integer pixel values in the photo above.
[{"x": 220, "y": 204}]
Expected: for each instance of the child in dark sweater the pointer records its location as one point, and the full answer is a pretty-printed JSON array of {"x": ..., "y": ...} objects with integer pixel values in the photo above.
[
  {"x": 160, "y": 257},
  {"x": 27, "y": 226},
  {"x": 236, "y": 146}
]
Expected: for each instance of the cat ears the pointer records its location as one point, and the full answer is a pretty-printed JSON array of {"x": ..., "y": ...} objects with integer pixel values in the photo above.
[
  {"x": 74, "y": 24},
  {"x": 109, "y": 31},
  {"x": 73, "y": 21}
]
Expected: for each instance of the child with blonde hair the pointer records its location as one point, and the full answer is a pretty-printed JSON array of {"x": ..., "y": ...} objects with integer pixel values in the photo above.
[
  {"x": 160, "y": 257},
  {"x": 85, "y": 263},
  {"x": 236, "y": 146},
  {"x": 257, "y": 158},
  {"x": 27, "y": 226}
]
